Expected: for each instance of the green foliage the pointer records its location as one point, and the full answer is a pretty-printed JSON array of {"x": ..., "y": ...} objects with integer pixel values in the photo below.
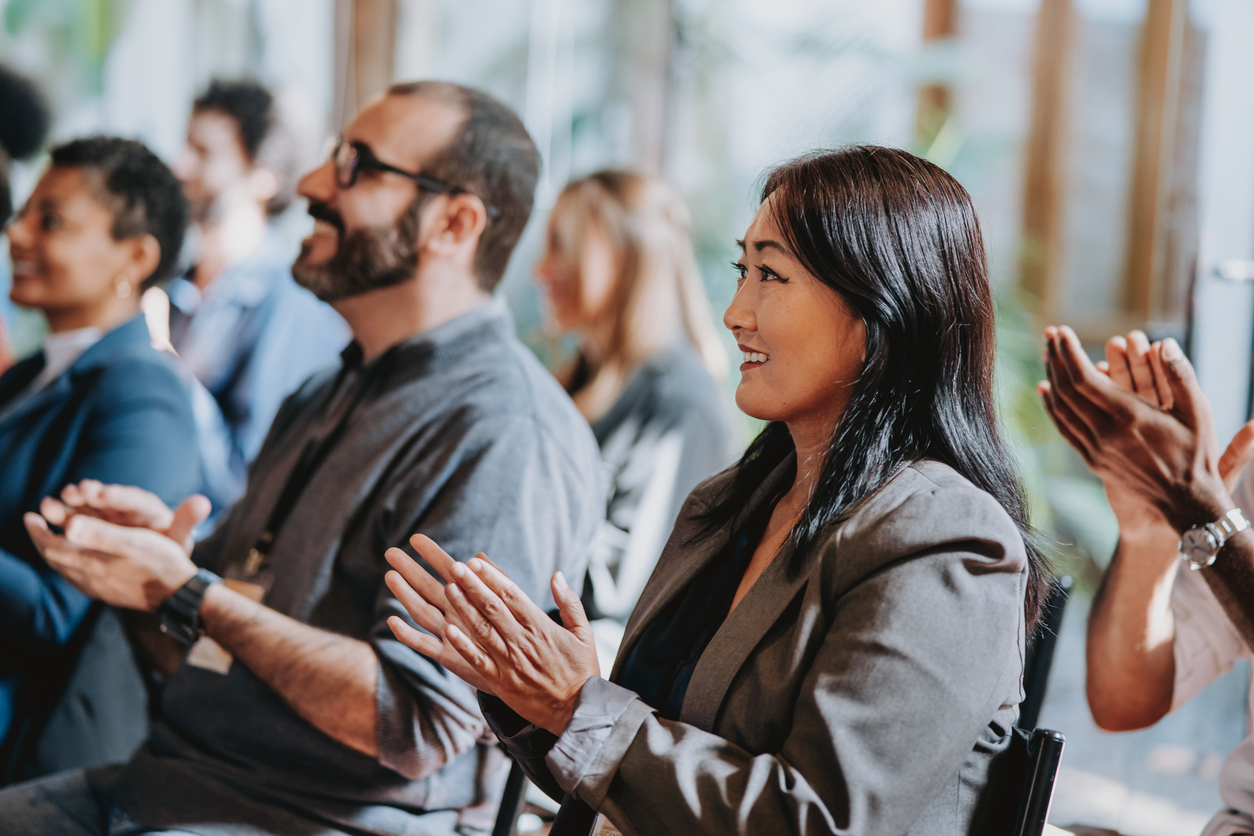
[
  {"x": 1068, "y": 505},
  {"x": 79, "y": 32}
]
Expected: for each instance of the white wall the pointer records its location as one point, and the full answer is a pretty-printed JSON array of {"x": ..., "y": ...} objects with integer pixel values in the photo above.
[{"x": 1223, "y": 324}]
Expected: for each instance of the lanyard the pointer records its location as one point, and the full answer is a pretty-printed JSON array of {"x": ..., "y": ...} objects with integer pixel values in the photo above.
[{"x": 317, "y": 449}]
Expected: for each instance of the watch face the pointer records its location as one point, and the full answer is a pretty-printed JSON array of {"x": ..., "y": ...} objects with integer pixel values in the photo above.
[{"x": 1199, "y": 544}]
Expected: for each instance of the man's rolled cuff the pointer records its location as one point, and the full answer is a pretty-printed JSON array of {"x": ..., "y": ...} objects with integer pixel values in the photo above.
[{"x": 453, "y": 723}]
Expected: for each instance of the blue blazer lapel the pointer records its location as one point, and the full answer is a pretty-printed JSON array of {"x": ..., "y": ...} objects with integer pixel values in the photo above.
[
  {"x": 57, "y": 390},
  {"x": 18, "y": 376},
  {"x": 128, "y": 338}
]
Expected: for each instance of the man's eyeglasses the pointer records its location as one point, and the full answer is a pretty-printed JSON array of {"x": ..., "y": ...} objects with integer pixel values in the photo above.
[{"x": 352, "y": 158}]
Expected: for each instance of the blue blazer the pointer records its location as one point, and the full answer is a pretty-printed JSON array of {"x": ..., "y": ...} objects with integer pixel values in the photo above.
[{"x": 121, "y": 414}]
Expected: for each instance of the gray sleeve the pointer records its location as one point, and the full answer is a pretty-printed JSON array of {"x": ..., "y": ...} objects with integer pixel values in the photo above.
[
  {"x": 513, "y": 493},
  {"x": 911, "y": 671}
]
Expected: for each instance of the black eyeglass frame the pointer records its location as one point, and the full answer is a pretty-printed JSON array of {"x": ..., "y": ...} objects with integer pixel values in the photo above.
[{"x": 363, "y": 159}]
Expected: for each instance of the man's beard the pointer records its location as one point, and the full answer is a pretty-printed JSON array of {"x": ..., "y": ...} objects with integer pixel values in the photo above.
[{"x": 366, "y": 259}]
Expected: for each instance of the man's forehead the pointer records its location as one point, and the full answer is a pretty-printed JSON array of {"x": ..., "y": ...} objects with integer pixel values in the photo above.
[
  {"x": 215, "y": 126},
  {"x": 406, "y": 131}
]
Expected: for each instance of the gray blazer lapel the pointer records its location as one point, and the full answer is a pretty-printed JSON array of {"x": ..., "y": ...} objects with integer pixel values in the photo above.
[
  {"x": 757, "y": 612},
  {"x": 680, "y": 562},
  {"x": 727, "y": 652}
]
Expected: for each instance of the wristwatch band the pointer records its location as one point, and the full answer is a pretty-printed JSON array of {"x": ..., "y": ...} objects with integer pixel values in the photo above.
[
  {"x": 180, "y": 613},
  {"x": 1232, "y": 522},
  {"x": 1201, "y": 544}
]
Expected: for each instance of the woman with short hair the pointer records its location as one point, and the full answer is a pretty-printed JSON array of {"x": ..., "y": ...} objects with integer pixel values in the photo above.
[
  {"x": 104, "y": 222},
  {"x": 832, "y": 641}
]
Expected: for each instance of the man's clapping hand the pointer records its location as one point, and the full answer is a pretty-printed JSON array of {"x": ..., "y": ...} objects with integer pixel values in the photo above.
[
  {"x": 1135, "y": 365},
  {"x": 1150, "y": 436}
]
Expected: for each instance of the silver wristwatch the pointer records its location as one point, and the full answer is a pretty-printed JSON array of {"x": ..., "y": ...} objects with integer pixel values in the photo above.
[{"x": 1201, "y": 543}]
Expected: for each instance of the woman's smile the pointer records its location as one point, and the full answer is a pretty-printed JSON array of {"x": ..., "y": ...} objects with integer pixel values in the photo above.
[{"x": 752, "y": 359}]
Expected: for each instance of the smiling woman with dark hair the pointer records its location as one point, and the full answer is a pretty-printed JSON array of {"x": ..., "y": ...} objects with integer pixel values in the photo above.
[
  {"x": 832, "y": 641},
  {"x": 99, "y": 402}
]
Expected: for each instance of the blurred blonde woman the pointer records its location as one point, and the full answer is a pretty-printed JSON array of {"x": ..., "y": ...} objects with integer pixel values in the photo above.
[{"x": 619, "y": 272}]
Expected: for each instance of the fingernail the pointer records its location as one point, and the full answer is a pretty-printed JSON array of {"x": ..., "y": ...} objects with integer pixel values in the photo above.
[
  {"x": 560, "y": 580},
  {"x": 452, "y": 591},
  {"x": 474, "y": 564},
  {"x": 459, "y": 570},
  {"x": 1171, "y": 349}
]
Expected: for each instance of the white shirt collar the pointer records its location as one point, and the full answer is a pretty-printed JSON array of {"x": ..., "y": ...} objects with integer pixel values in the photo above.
[{"x": 61, "y": 350}]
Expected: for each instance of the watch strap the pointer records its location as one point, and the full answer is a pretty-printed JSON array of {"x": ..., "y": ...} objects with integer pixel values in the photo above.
[
  {"x": 1219, "y": 531},
  {"x": 1231, "y": 523},
  {"x": 180, "y": 613}
]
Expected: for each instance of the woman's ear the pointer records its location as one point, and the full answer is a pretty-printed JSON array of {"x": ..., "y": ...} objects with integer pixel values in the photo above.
[{"x": 144, "y": 254}]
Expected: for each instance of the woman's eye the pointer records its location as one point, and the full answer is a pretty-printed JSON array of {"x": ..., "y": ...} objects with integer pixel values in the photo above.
[
  {"x": 769, "y": 275},
  {"x": 742, "y": 272},
  {"x": 49, "y": 222}
]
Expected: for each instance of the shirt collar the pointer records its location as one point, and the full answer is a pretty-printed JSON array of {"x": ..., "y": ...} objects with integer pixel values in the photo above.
[
  {"x": 436, "y": 347},
  {"x": 244, "y": 283},
  {"x": 61, "y": 350}
]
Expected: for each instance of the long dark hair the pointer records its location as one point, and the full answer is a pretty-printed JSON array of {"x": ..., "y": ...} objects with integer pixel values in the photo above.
[{"x": 897, "y": 237}]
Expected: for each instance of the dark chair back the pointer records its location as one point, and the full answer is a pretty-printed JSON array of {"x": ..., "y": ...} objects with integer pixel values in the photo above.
[
  {"x": 1040, "y": 656},
  {"x": 1021, "y": 785},
  {"x": 1043, "y": 751},
  {"x": 511, "y": 801}
]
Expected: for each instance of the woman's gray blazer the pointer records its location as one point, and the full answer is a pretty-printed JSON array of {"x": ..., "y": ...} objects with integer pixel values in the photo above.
[{"x": 865, "y": 693}]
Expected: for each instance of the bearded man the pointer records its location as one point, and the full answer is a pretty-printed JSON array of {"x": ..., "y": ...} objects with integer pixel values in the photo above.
[{"x": 294, "y": 710}]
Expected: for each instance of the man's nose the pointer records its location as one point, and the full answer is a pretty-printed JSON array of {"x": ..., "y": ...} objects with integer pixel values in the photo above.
[
  {"x": 318, "y": 184},
  {"x": 185, "y": 165}
]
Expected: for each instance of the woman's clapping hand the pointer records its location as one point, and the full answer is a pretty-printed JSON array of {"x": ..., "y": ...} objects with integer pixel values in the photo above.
[{"x": 488, "y": 632}]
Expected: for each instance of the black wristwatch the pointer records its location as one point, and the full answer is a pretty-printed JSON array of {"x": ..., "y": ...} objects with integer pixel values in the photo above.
[{"x": 180, "y": 613}]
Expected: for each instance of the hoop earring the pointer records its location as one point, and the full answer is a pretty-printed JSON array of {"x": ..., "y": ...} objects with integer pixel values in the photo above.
[{"x": 122, "y": 288}]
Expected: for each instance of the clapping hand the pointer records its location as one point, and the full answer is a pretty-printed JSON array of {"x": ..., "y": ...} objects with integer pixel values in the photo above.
[
  {"x": 1142, "y": 424},
  {"x": 134, "y": 508},
  {"x": 485, "y": 630},
  {"x": 1136, "y": 365},
  {"x": 121, "y": 545}
]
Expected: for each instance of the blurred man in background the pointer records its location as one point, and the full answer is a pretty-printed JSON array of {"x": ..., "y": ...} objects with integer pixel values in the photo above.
[
  {"x": 24, "y": 120},
  {"x": 237, "y": 320}
]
